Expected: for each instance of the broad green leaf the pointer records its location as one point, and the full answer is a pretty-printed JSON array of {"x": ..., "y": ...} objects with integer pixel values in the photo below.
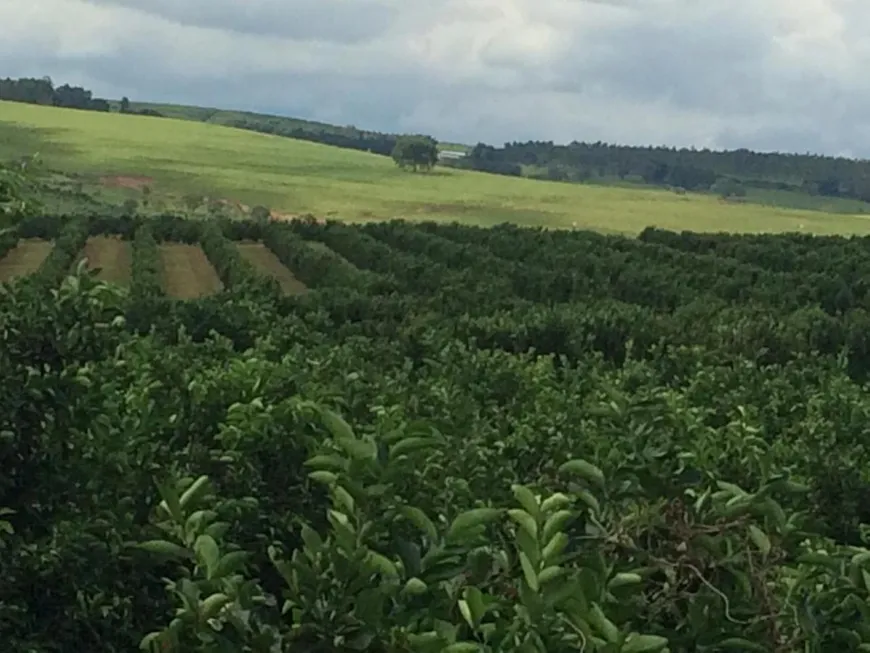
[
  {"x": 555, "y": 502},
  {"x": 323, "y": 476},
  {"x": 589, "y": 499},
  {"x": 327, "y": 462},
  {"x": 734, "y": 490},
  {"x": 585, "y": 470},
  {"x": 525, "y": 521},
  {"x": 212, "y": 605},
  {"x": 551, "y": 573},
  {"x": 602, "y": 624},
  {"x": 473, "y": 518},
  {"x": 195, "y": 492},
  {"x": 415, "y": 587},
  {"x": 759, "y": 539},
  {"x": 420, "y": 520},
  {"x": 529, "y": 572},
  {"x": 409, "y": 445},
  {"x": 635, "y": 643},
  {"x": 164, "y": 548},
  {"x": 621, "y": 580},
  {"x": 555, "y": 547},
  {"x": 474, "y": 599},
  {"x": 344, "y": 499},
  {"x": 336, "y": 425},
  {"x": 170, "y": 503},
  {"x": 230, "y": 563},
  {"x": 462, "y": 647},
  {"x": 555, "y": 523},
  {"x": 740, "y": 644},
  {"x": 466, "y": 612},
  {"x": 382, "y": 564},
  {"x": 311, "y": 538},
  {"x": 527, "y": 500},
  {"x": 360, "y": 449},
  {"x": 207, "y": 553}
]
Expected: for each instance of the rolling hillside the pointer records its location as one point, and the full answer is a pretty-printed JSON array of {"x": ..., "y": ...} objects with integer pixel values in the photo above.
[{"x": 180, "y": 157}]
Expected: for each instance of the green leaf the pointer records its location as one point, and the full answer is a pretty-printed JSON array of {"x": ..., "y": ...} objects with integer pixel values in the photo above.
[
  {"x": 466, "y": 612},
  {"x": 336, "y": 425},
  {"x": 207, "y": 553},
  {"x": 170, "y": 503},
  {"x": 212, "y": 605},
  {"x": 819, "y": 559},
  {"x": 164, "y": 548},
  {"x": 526, "y": 522},
  {"x": 527, "y": 500},
  {"x": 635, "y": 643},
  {"x": 461, "y": 647},
  {"x": 589, "y": 499},
  {"x": 474, "y": 599},
  {"x": 555, "y": 523},
  {"x": 621, "y": 580},
  {"x": 195, "y": 492},
  {"x": 343, "y": 498},
  {"x": 420, "y": 520},
  {"x": 585, "y": 470},
  {"x": 602, "y": 624},
  {"x": 382, "y": 564},
  {"x": 323, "y": 476},
  {"x": 760, "y": 539},
  {"x": 416, "y": 587},
  {"x": 327, "y": 462},
  {"x": 529, "y": 572},
  {"x": 311, "y": 538},
  {"x": 409, "y": 445},
  {"x": 555, "y": 502},
  {"x": 551, "y": 573},
  {"x": 230, "y": 563},
  {"x": 359, "y": 449},
  {"x": 555, "y": 547},
  {"x": 740, "y": 644},
  {"x": 473, "y": 518}
]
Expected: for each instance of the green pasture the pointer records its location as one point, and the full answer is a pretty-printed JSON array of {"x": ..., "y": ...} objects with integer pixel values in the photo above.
[{"x": 182, "y": 157}]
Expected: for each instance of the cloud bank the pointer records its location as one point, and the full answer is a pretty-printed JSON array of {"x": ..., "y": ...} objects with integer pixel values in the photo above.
[{"x": 783, "y": 75}]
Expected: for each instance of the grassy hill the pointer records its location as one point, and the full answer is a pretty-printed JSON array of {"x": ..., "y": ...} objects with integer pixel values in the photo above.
[
  {"x": 228, "y": 117},
  {"x": 181, "y": 157}
]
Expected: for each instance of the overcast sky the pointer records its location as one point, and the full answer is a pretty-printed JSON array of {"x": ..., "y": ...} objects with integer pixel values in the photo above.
[{"x": 790, "y": 75}]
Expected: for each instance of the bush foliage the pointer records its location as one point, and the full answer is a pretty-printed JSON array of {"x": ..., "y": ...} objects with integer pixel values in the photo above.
[{"x": 460, "y": 440}]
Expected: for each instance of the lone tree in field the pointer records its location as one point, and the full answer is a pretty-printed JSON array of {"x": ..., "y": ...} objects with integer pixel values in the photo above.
[{"x": 415, "y": 152}]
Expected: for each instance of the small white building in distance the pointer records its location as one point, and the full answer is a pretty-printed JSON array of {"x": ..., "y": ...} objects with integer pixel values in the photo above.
[{"x": 451, "y": 154}]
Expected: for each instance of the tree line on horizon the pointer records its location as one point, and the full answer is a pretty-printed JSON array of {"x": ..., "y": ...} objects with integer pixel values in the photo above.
[
  {"x": 688, "y": 168},
  {"x": 43, "y": 91},
  {"x": 728, "y": 172}
]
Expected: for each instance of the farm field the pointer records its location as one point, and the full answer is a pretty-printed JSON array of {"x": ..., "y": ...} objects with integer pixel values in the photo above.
[
  {"x": 187, "y": 272},
  {"x": 460, "y": 440},
  {"x": 265, "y": 261},
  {"x": 111, "y": 256},
  {"x": 179, "y": 158},
  {"x": 24, "y": 259}
]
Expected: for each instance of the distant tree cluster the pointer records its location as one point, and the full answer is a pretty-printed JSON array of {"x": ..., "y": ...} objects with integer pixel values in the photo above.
[
  {"x": 43, "y": 91},
  {"x": 729, "y": 173},
  {"x": 416, "y": 152}
]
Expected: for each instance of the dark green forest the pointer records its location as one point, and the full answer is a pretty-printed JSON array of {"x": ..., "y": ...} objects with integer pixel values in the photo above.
[
  {"x": 43, "y": 91},
  {"x": 459, "y": 439}
]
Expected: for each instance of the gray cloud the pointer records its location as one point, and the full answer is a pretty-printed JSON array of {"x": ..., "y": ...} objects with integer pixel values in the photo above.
[
  {"x": 783, "y": 74},
  {"x": 327, "y": 20}
]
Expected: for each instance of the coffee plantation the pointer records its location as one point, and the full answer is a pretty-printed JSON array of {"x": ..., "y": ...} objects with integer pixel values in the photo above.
[{"x": 456, "y": 439}]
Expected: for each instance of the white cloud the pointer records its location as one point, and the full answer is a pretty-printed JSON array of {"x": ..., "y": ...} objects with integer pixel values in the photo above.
[{"x": 786, "y": 74}]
